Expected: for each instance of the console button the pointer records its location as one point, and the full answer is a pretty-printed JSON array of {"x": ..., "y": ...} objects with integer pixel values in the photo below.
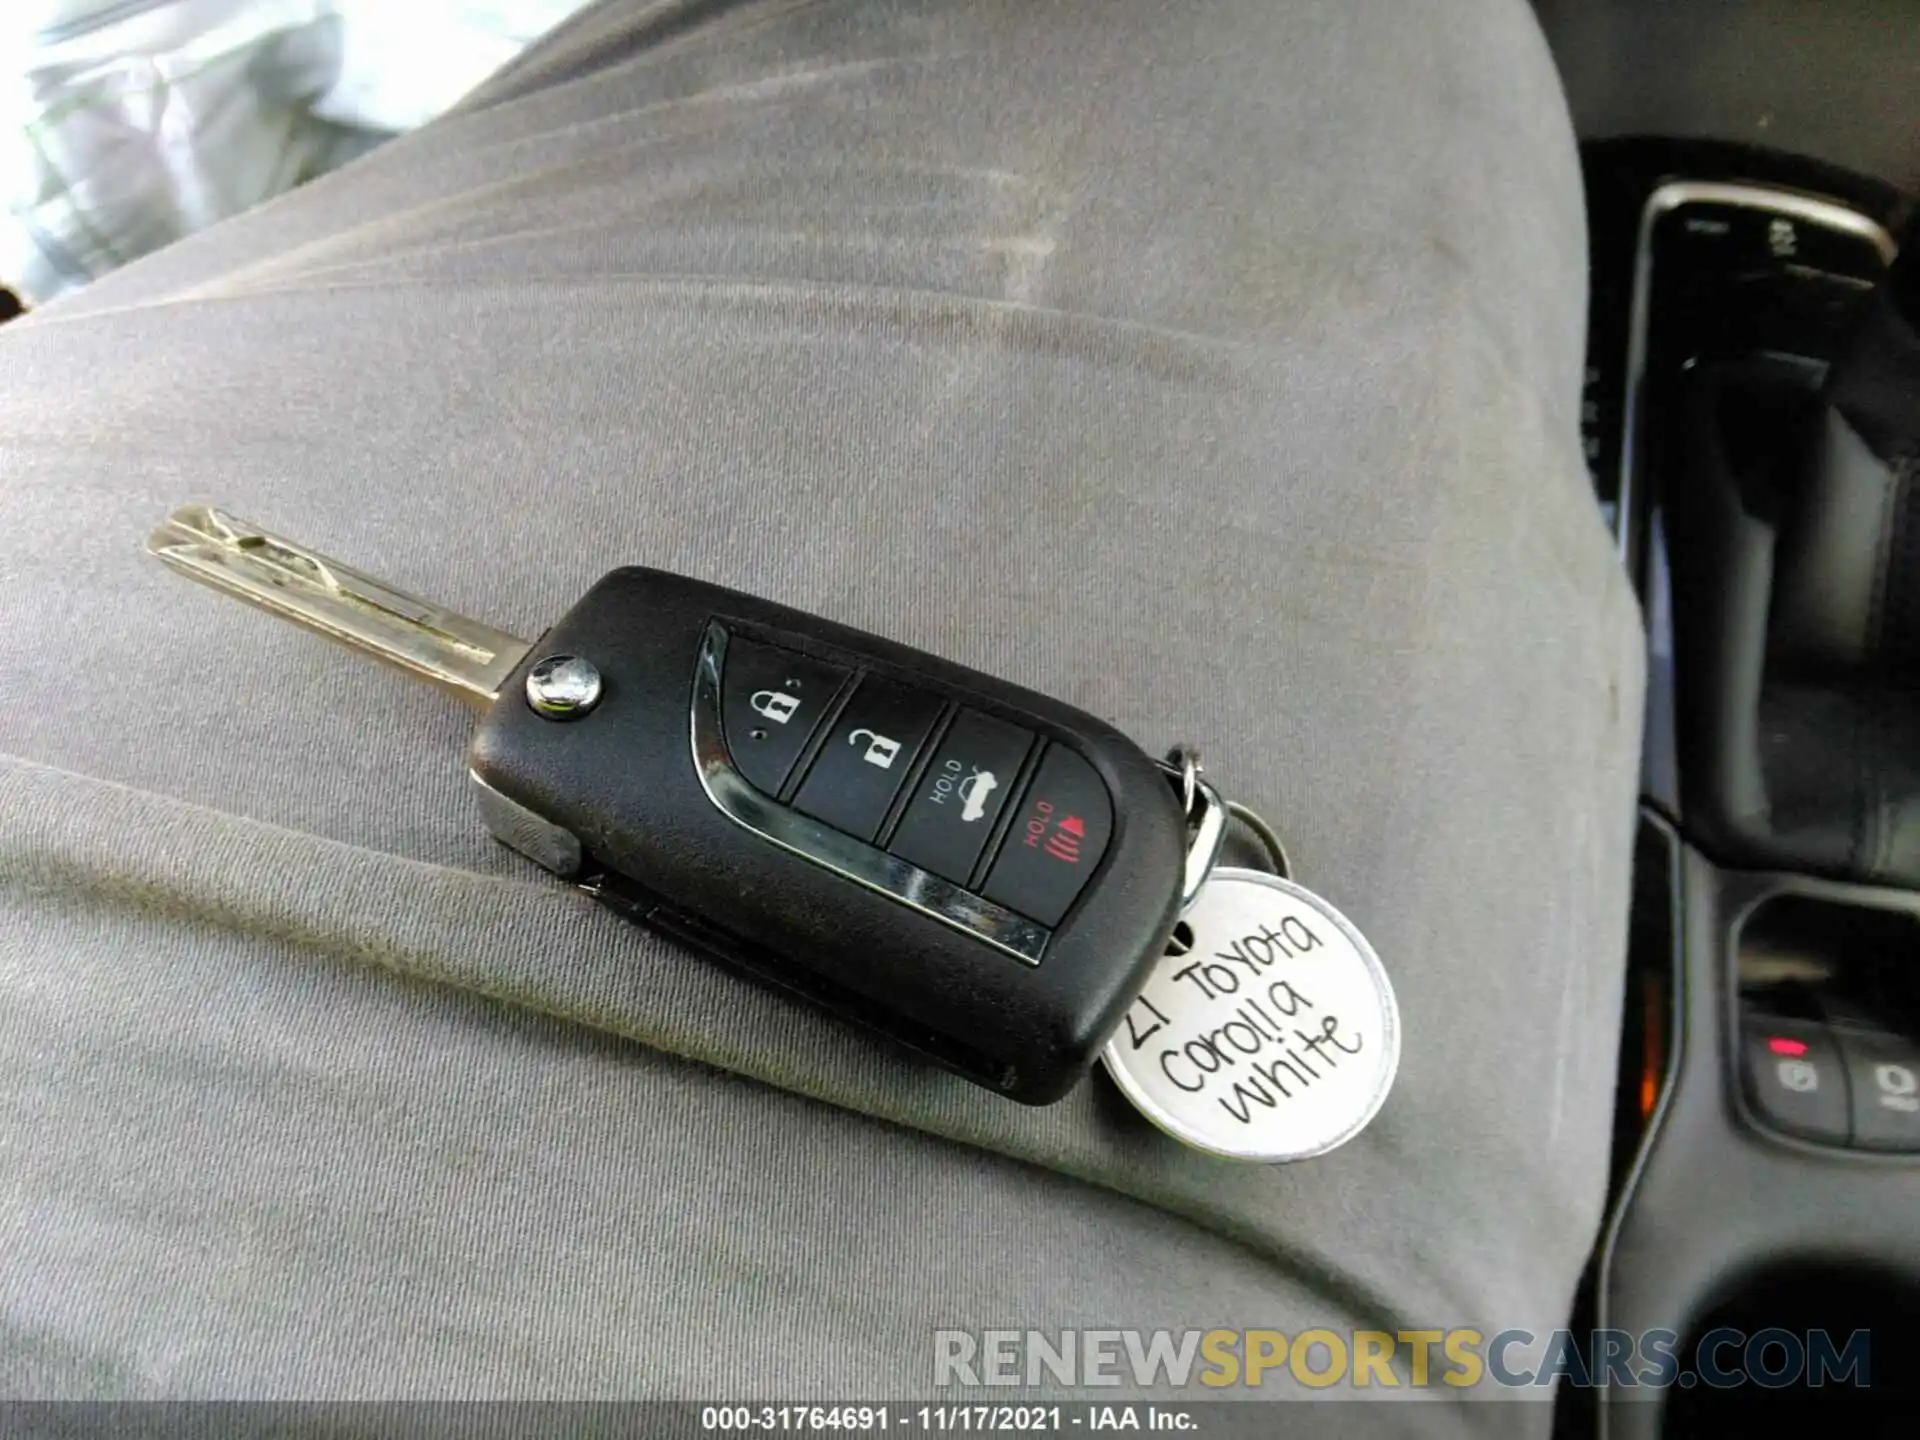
[
  {"x": 867, "y": 756},
  {"x": 1884, "y": 1075},
  {"x": 770, "y": 701},
  {"x": 1059, "y": 834},
  {"x": 961, "y": 795},
  {"x": 1795, "y": 1078}
]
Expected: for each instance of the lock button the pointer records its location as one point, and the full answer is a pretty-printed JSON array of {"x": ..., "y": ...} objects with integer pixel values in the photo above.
[
  {"x": 867, "y": 756},
  {"x": 772, "y": 700}
]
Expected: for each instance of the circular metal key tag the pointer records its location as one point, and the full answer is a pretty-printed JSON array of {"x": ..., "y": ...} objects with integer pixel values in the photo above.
[{"x": 1273, "y": 1035}]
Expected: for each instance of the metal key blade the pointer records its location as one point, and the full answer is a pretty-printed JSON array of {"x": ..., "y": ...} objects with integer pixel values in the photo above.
[{"x": 285, "y": 578}]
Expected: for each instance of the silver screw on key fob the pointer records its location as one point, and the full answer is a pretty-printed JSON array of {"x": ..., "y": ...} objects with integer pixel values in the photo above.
[
  {"x": 563, "y": 687},
  {"x": 980, "y": 872}
]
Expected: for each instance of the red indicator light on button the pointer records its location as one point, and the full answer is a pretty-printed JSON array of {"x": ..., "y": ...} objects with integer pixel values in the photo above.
[{"x": 1781, "y": 1045}]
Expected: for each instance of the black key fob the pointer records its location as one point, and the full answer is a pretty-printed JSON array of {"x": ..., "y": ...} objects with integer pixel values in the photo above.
[{"x": 979, "y": 872}]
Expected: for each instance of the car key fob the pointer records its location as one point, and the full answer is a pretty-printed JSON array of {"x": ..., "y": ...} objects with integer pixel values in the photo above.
[
  {"x": 975, "y": 869},
  {"x": 978, "y": 871}
]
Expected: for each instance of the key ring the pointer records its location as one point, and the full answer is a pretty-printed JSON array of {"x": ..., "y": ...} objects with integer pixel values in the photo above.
[
  {"x": 1185, "y": 759},
  {"x": 1205, "y": 811},
  {"x": 1268, "y": 837}
]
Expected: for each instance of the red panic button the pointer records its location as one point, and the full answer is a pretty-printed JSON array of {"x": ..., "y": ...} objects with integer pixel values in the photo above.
[{"x": 1058, "y": 836}]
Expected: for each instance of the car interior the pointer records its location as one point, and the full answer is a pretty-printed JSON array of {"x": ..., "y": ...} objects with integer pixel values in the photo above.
[{"x": 1752, "y": 422}]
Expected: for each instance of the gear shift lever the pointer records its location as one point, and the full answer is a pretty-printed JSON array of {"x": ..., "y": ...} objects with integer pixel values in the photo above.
[
  {"x": 1796, "y": 555},
  {"x": 1846, "y": 598}
]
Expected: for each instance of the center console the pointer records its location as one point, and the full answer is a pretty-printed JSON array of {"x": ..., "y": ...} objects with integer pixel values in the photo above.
[{"x": 1754, "y": 423}]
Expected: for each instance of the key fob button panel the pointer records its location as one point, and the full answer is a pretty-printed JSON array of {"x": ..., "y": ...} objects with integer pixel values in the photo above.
[
  {"x": 1058, "y": 837},
  {"x": 869, "y": 752},
  {"x": 1034, "y": 864},
  {"x": 961, "y": 794},
  {"x": 772, "y": 700}
]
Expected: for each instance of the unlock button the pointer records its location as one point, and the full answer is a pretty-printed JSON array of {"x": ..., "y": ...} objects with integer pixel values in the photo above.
[{"x": 867, "y": 756}]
